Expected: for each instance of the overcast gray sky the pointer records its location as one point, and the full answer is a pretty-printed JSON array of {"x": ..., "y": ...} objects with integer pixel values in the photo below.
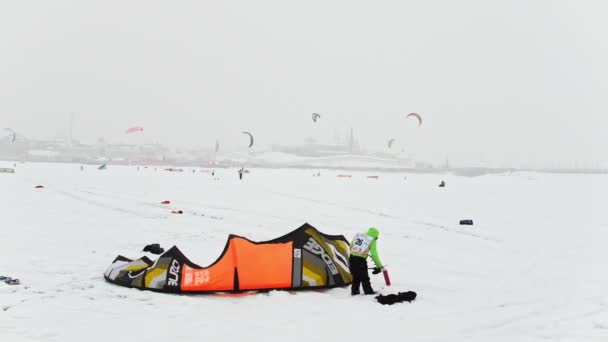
[{"x": 501, "y": 81}]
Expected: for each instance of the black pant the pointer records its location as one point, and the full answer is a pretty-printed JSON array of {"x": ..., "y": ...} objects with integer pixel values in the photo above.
[{"x": 358, "y": 268}]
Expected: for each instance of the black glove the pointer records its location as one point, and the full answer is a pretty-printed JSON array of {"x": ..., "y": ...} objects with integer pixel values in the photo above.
[{"x": 376, "y": 270}]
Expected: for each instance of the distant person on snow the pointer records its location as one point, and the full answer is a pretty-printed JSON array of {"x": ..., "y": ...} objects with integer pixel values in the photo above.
[
  {"x": 241, "y": 173},
  {"x": 362, "y": 246},
  {"x": 442, "y": 184}
]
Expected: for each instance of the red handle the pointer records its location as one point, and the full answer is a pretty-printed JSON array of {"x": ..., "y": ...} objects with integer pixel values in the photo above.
[{"x": 387, "y": 280}]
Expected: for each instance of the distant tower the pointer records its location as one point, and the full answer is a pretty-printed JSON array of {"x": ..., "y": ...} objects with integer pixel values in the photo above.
[
  {"x": 217, "y": 148},
  {"x": 71, "y": 130}
]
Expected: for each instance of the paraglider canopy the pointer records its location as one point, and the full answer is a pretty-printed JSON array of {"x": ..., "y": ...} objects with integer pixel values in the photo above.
[
  {"x": 250, "y": 138},
  {"x": 416, "y": 115},
  {"x": 316, "y": 116}
]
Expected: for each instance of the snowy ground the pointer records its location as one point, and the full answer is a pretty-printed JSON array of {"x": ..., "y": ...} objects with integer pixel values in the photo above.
[{"x": 532, "y": 268}]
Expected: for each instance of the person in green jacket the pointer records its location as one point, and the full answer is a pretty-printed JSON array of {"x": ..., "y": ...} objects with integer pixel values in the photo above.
[{"x": 362, "y": 246}]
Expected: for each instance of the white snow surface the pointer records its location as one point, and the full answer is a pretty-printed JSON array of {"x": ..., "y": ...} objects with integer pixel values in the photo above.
[{"x": 532, "y": 268}]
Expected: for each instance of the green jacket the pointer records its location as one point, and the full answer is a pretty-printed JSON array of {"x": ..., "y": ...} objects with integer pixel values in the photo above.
[{"x": 373, "y": 249}]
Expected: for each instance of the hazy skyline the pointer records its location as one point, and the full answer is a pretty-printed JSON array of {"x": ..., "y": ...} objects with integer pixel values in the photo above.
[{"x": 504, "y": 82}]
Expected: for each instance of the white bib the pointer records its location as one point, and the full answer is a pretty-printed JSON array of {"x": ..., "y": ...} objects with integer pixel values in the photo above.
[{"x": 361, "y": 244}]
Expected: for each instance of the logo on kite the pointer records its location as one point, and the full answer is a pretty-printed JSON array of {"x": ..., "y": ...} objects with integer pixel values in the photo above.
[
  {"x": 133, "y": 276},
  {"x": 316, "y": 116},
  {"x": 134, "y": 129},
  {"x": 173, "y": 278},
  {"x": 416, "y": 115},
  {"x": 315, "y": 248},
  {"x": 250, "y": 138}
]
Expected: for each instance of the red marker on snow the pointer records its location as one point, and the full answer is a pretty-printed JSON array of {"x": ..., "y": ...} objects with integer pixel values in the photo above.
[{"x": 165, "y": 202}]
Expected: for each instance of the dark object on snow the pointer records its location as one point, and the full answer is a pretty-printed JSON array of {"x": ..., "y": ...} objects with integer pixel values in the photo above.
[
  {"x": 466, "y": 222},
  {"x": 177, "y": 212},
  {"x": 165, "y": 202},
  {"x": 154, "y": 249},
  {"x": 39, "y": 187},
  {"x": 396, "y": 298},
  {"x": 442, "y": 184},
  {"x": 10, "y": 281}
]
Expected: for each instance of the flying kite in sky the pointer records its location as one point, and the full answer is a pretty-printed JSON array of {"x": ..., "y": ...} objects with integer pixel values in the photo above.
[
  {"x": 134, "y": 129},
  {"x": 250, "y": 138},
  {"x": 11, "y": 136},
  {"x": 417, "y": 116}
]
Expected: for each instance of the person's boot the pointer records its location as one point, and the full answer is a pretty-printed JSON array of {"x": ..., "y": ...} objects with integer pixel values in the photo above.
[{"x": 367, "y": 289}]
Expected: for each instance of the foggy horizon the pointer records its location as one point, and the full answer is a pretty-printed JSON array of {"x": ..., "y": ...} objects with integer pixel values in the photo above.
[{"x": 502, "y": 82}]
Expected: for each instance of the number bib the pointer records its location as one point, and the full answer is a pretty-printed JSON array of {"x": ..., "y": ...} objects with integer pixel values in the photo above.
[{"x": 361, "y": 244}]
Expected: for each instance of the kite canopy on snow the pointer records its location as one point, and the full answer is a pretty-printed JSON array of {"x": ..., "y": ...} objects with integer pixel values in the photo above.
[
  {"x": 416, "y": 115},
  {"x": 302, "y": 259},
  {"x": 250, "y": 138}
]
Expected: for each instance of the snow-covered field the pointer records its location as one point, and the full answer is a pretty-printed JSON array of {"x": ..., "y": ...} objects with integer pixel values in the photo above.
[{"x": 534, "y": 267}]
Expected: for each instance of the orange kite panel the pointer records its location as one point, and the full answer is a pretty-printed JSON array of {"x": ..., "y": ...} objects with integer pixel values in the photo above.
[
  {"x": 218, "y": 277},
  {"x": 263, "y": 266}
]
